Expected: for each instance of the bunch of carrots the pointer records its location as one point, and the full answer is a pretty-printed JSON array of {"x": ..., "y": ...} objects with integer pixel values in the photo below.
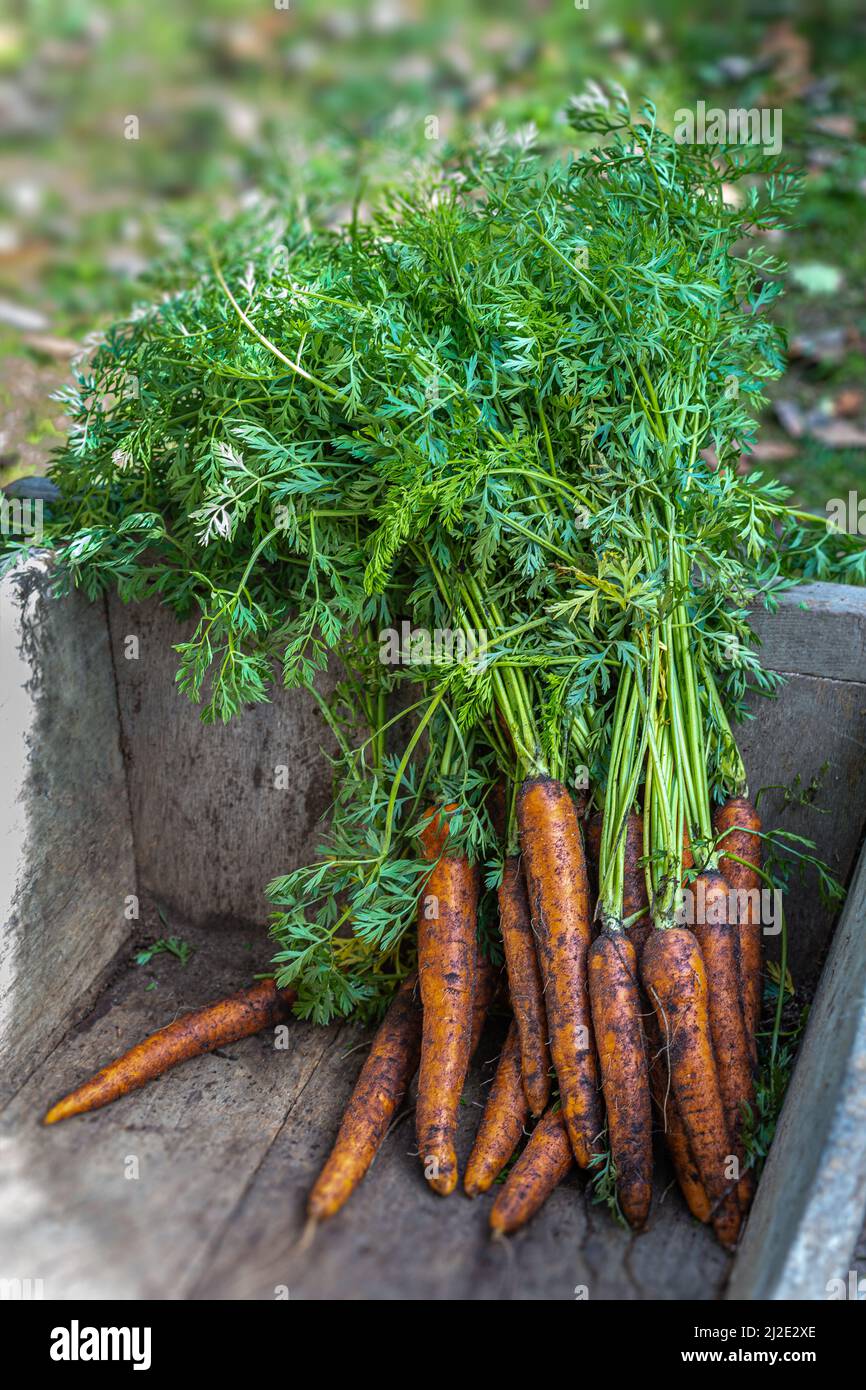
[
  {"x": 634, "y": 1017},
  {"x": 487, "y": 411}
]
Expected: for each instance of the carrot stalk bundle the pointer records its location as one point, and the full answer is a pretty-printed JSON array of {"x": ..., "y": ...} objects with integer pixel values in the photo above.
[
  {"x": 505, "y": 1115},
  {"x": 446, "y": 972},
  {"x": 382, "y": 1083},
  {"x": 739, "y": 824},
  {"x": 524, "y": 984},
  {"x": 675, "y": 979},
  {"x": 546, "y": 1160},
  {"x": 559, "y": 902},
  {"x": 616, "y": 1015},
  {"x": 203, "y": 1030},
  {"x": 717, "y": 938}
]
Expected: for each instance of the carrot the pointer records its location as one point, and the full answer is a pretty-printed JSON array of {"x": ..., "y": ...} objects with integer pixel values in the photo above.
[
  {"x": 434, "y": 834},
  {"x": 739, "y": 823},
  {"x": 238, "y": 1016},
  {"x": 635, "y": 900},
  {"x": 592, "y": 828},
  {"x": 545, "y": 1161},
  {"x": 434, "y": 837},
  {"x": 382, "y": 1083},
  {"x": 675, "y": 979},
  {"x": 487, "y": 978},
  {"x": 446, "y": 971},
  {"x": 524, "y": 984},
  {"x": 559, "y": 901},
  {"x": 616, "y": 1016},
  {"x": 688, "y": 857},
  {"x": 497, "y": 809},
  {"x": 717, "y": 937},
  {"x": 634, "y": 896},
  {"x": 676, "y": 1139},
  {"x": 505, "y": 1115}
]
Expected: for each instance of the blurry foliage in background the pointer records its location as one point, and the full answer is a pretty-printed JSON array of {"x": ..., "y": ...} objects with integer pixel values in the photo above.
[{"x": 234, "y": 98}]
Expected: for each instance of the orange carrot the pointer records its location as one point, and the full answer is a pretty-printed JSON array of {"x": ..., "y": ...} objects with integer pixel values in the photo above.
[
  {"x": 487, "y": 979},
  {"x": 688, "y": 857},
  {"x": 524, "y": 984},
  {"x": 238, "y": 1016},
  {"x": 382, "y": 1083},
  {"x": 718, "y": 942},
  {"x": 446, "y": 971},
  {"x": 635, "y": 900},
  {"x": 434, "y": 834},
  {"x": 672, "y": 1126},
  {"x": 592, "y": 828},
  {"x": 545, "y": 1161},
  {"x": 559, "y": 901},
  {"x": 634, "y": 897},
  {"x": 742, "y": 823},
  {"x": 616, "y": 1017},
  {"x": 505, "y": 1115},
  {"x": 434, "y": 837},
  {"x": 675, "y": 980}
]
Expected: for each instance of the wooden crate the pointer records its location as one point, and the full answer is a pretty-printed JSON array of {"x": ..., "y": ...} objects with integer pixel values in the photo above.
[{"x": 119, "y": 801}]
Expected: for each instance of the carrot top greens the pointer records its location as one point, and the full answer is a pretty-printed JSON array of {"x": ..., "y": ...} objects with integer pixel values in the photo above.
[{"x": 508, "y": 407}]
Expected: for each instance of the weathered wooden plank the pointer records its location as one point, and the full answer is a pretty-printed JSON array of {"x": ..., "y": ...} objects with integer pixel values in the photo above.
[
  {"x": 214, "y": 821},
  {"x": 819, "y": 630},
  {"x": 65, "y": 832},
  {"x": 815, "y": 731},
  {"x": 810, "y": 1205},
  {"x": 72, "y": 1215}
]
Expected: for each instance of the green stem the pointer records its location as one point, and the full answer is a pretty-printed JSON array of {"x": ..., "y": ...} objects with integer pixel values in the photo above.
[{"x": 404, "y": 763}]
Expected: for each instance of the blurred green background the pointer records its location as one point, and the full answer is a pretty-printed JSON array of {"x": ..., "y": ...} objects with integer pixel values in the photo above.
[{"x": 123, "y": 125}]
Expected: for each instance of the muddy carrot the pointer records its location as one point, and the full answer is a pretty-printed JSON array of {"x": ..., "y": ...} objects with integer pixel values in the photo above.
[
  {"x": 434, "y": 833},
  {"x": 616, "y": 1016},
  {"x": 634, "y": 897},
  {"x": 382, "y": 1083},
  {"x": 446, "y": 972},
  {"x": 487, "y": 980},
  {"x": 592, "y": 828},
  {"x": 717, "y": 937},
  {"x": 487, "y": 976},
  {"x": 671, "y": 1125},
  {"x": 688, "y": 857},
  {"x": 505, "y": 1115},
  {"x": 735, "y": 821},
  {"x": 524, "y": 984},
  {"x": 675, "y": 980},
  {"x": 676, "y": 1138},
  {"x": 558, "y": 893},
  {"x": 546, "y": 1160},
  {"x": 226, "y": 1021}
]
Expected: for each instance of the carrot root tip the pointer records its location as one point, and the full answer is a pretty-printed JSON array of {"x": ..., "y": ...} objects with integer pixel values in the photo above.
[
  {"x": 444, "y": 1184},
  {"x": 308, "y": 1234},
  {"x": 60, "y": 1111}
]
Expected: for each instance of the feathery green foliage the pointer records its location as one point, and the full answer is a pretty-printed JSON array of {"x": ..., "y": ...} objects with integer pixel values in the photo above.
[{"x": 488, "y": 410}]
